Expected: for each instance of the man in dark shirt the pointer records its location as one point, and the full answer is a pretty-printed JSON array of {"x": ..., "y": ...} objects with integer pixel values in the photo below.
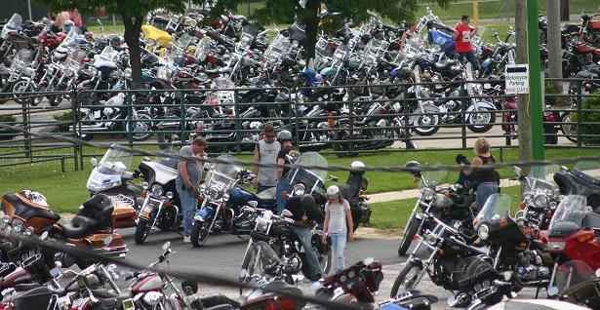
[{"x": 305, "y": 212}]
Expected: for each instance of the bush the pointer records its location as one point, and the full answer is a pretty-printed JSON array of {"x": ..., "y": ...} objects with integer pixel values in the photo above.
[
  {"x": 7, "y": 134},
  {"x": 66, "y": 120},
  {"x": 591, "y": 103}
]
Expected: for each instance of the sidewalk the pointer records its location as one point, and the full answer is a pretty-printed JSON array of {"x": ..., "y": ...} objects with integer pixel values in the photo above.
[{"x": 414, "y": 193}]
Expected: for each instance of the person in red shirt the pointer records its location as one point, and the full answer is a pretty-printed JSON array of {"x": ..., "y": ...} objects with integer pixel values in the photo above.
[{"x": 463, "y": 32}]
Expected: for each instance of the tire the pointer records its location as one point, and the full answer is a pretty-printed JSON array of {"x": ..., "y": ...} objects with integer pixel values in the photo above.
[
  {"x": 411, "y": 231},
  {"x": 488, "y": 118},
  {"x": 199, "y": 233},
  {"x": 570, "y": 131},
  {"x": 142, "y": 124},
  {"x": 427, "y": 125},
  {"x": 405, "y": 280},
  {"x": 22, "y": 88},
  {"x": 141, "y": 231}
]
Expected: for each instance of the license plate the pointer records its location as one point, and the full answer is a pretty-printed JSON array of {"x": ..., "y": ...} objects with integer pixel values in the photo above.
[{"x": 128, "y": 304}]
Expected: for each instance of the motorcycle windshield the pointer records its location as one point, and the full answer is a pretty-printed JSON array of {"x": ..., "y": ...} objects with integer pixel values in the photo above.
[
  {"x": 575, "y": 273},
  {"x": 496, "y": 207},
  {"x": 22, "y": 59},
  {"x": 203, "y": 48},
  {"x": 13, "y": 24},
  {"x": 115, "y": 161},
  {"x": 309, "y": 177},
  {"x": 222, "y": 174},
  {"x": 433, "y": 177},
  {"x": 569, "y": 213},
  {"x": 542, "y": 184}
]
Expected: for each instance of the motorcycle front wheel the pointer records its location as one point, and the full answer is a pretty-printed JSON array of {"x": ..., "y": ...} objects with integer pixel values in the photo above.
[
  {"x": 140, "y": 127},
  {"x": 200, "y": 233},
  {"x": 142, "y": 230},
  {"x": 407, "y": 279},
  {"x": 427, "y": 125},
  {"x": 23, "y": 88},
  {"x": 569, "y": 130}
]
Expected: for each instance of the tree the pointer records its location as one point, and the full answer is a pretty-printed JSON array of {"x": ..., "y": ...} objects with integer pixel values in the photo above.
[{"x": 133, "y": 13}]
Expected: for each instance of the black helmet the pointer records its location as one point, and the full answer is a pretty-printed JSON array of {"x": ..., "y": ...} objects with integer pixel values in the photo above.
[{"x": 414, "y": 167}]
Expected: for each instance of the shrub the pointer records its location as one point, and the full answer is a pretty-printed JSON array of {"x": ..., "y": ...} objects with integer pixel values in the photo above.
[
  {"x": 66, "y": 120},
  {"x": 7, "y": 134},
  {"x": 592, "y": 117}
]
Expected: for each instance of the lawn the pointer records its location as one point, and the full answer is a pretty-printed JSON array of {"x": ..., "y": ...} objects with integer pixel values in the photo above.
[
  {"x": 393, "y": 215},
  {"x": 66, "y": 191}
]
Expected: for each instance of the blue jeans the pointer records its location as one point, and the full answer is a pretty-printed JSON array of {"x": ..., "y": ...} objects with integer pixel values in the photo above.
[
  {"x": 338, "y": 245},
  {"x": 283, "y": 185},
  {"x": 311, "y": 259},
  {"x": 470, "y": 57},
  {"x": 485, "y": 190},
  {"x": 189, "y": 203}
]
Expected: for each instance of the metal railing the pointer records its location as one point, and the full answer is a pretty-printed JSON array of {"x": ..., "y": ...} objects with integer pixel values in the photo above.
[{"x": 343, "y": 120}]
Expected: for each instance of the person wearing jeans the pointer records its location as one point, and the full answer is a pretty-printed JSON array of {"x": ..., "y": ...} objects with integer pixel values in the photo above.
[
  {"x": 338, "y": 226},
  {"x": 189, "y": 176},
  {"x": 486, "y": 179}
]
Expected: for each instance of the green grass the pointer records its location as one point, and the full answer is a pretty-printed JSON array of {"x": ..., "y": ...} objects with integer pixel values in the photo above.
[
  {"x": 109, "y": 28},
  {"x": 394, "y": 214},
  {"x": 66, "y": 191},
  {"x": 498, "y": 9}
]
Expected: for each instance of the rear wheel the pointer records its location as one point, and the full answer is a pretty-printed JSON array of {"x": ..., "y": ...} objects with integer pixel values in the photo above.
[
  {"x": 481, "y": 121},
  {"x": 407, "y": 279},
  {"x": 142, "y": 230},
  {"x": 199, "y": 233},
  {"x": 569, "y": 130},
  {"x": 409, "y": 234},
  {"x": 140, "y": 127},
  {"x": 427, "y": 125}
]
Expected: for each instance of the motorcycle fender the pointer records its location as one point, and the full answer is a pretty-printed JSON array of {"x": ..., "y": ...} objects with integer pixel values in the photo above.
[
  {"x": 482, "y": 104},
  {"x": 146, "y": 210},
  {"x": 427, "y": 108}
]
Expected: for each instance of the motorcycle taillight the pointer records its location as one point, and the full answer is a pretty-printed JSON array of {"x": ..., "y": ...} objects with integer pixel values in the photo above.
[{"x": 281, "y": 303}]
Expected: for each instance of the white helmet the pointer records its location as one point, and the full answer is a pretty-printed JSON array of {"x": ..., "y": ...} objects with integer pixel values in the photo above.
[
  {"x": 357, "y": 165},
  {"x": 333, "y": 191}
]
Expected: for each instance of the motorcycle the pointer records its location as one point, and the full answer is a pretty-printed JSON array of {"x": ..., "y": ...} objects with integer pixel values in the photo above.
[
  {"x": 452, "y": 205},
  {"x": 309, "y": 181},
  {"x": 161, "y": 202},
  {"x": 571, "y": 238},
  {"x": 518, "y": 253},
  {"x": 272, "y": 233},
  {"x": 576, "y": 283},
  {"x": 92, "y": 227},
  {"x": 579, "y": 181},
  {"x": 214, "y": 214},
  {"x": 112, "y": 177},
  {"x": 540, "y": 198},
  {"x": 353, "y": 192}
]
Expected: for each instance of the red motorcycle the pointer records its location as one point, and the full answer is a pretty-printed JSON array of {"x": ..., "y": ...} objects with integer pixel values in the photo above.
[{"x": 571, "y": 236}]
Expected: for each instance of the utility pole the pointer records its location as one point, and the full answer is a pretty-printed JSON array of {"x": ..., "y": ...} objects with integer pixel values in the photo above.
[
  {"x": 29, "y": 9},
  {"x": 523, "y": 111},
  {"x": 565, "y": 14},
  {"x": 536, "y": 99},
  {"x": 553, "y": 44}
]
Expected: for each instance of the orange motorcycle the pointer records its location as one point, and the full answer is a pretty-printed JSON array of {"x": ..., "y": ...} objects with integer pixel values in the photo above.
[{"x": 92, "y": 228}]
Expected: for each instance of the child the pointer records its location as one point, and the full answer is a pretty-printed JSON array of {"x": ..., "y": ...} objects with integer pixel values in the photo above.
[{"x": 338, "y": 226}]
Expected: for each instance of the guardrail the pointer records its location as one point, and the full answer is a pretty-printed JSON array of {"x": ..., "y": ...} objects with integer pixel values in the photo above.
[{"x": 344, "y": 120}]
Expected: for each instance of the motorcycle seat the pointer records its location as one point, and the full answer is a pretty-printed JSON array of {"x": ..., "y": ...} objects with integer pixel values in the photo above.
[
  {"x": 591, "y": 220},
  {"x": 445, "y": 64},
  {"x": 80, "y": 227},
  {"x": 586, "y": 75}
]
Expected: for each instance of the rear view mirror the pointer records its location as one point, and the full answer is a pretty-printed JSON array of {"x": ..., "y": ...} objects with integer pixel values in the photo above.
[{"x": 93, "y": 161}]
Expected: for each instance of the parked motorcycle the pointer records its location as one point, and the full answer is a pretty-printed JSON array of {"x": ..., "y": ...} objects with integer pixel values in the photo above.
[{"x": 353, "y": 192}]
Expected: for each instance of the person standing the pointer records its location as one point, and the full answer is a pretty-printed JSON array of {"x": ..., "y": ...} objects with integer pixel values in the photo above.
[
  {"x": 338, "y": 226},
  {"x": 190, "y": 169},
  {"x": 265, "y": 153},
  {"x": 284, "y": 159},
  {"x": 463, "y": 33},
  {"x": 485, "y": 179}
]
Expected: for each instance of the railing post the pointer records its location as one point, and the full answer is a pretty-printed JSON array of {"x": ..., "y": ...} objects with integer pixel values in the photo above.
[
  {"x": 294, "y": 110},
  {"x": 464, "y": 115},
  {"x": 238, "y": 125},
  {"x": 183, "y": 123},
  {"x": 406, "y": 123},
  {"x": 128, "y": 123},
  {"x": 351, "y": 115},
  {"x": 579, "y": 104},
  {"x": 74, "y": 111},
  {"x": 26, "y": 126}
]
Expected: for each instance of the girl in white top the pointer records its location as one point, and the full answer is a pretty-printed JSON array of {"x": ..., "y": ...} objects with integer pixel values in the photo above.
[{"x": 338, "y": 226}]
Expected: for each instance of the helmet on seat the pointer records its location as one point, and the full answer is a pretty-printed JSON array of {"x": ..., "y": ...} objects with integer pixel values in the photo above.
[{"x": 357, "y": 166}]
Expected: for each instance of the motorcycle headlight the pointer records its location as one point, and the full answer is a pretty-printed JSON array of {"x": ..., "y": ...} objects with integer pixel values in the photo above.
[
  {"x": 213, "y": 193},
  {"x": 170, "y": 195},
  {"x": 483, "y": 232},
  {"x": 152, "y": 298},
  {"x": 540, "y": 201},
  {"x": 428, "y": 194},
  {"x": 157, "y": 190},
  {"x": 299, "y": 189}
]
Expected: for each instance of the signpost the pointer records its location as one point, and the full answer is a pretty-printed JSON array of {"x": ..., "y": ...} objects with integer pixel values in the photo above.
[{"x": 517, "y": 79}]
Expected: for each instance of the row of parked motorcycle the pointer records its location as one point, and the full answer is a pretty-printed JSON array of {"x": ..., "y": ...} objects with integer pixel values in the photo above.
[{"x": 549, "y": 241}]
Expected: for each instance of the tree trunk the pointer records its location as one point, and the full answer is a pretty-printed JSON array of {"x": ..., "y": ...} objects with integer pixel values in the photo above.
[
  {"x": 311, "y": 21},
  {"x": 565, "y": 14},
  {"x": 133, "y": 27},
  {"x": 554, "y": 46},
  {"x": 523, "y": 111}
]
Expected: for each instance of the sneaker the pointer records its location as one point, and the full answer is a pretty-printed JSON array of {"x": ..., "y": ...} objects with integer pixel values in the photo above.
[{"x": 187, "y": 239}]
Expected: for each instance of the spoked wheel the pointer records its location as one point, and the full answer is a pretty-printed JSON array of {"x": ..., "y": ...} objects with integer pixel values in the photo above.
[
  {"x": 142, "y": 230},
  {"x": 481, "y": 121},
  {"x": 407, "y": 279},
  {"x": 140, "y": 127},
  {"x": 569, "y": 130},
  {"x": 200, "y": 232},
  {"x": 21, "y": 90}
]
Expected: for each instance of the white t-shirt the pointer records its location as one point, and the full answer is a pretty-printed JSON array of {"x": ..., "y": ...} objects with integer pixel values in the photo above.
[{"x": 337, "y": 217}]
